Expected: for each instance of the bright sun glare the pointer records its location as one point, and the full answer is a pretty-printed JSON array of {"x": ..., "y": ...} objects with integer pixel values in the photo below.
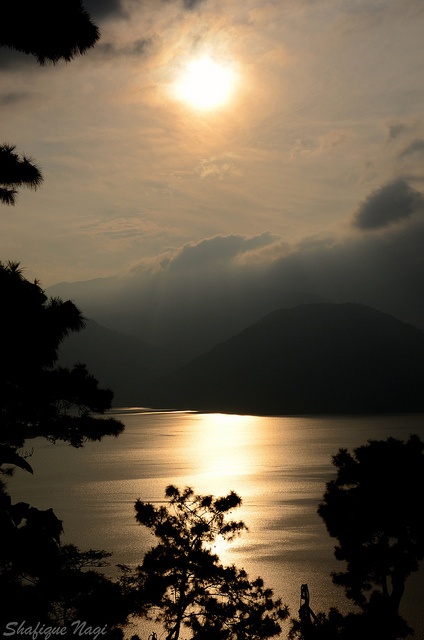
[{"x": 205, "y": 84}]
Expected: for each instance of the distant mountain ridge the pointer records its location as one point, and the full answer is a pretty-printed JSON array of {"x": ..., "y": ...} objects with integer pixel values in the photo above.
[
  {"x": 312, "y": 358},
  {"x": 181, "y": 328},
  {"x": 185, "y": 300},
  {"x": 125, "y": 345}
]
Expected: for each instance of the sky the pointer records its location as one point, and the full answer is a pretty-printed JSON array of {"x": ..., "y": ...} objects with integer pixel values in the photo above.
[{"x": 314, "y": 163}]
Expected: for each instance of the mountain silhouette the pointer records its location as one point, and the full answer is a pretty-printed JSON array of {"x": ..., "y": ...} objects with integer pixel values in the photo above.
[
  {"x": 119, "y": 361},
  {"x": 312, "y": 358},
  {"x": 129, "y": 340}
]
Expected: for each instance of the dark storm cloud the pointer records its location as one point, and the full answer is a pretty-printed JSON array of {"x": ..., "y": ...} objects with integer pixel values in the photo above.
[
  {"x": 391, "y": 203},
  {"x": 417, "y": 146}
]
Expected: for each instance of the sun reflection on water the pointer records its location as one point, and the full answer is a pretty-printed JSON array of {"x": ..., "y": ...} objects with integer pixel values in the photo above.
[
  {"x": 277, "y": 465},
  {"x": 224, "y": 445}
]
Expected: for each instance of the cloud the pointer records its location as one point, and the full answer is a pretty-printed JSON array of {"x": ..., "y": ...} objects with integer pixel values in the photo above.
[
  {"x": 416, "y": 146},
  {"x": 105, "y": 13},
  {"x": 105, "y": 9},
  {"x": 391, "y": 203},
  {"x": 13, "y": 97},
  {"x": 11, "y": 59},
  {"x": 112, "y": 9},
  {"x": 216, "y": 255},
  {"x": 117, "y": 228},
  {"x": 133, "y": 49},
  {"x": 396, "y": 129},
  {"x": 218, "y": 167},
  {"x": 191, "y": 4},
  {"x": 187, "y": 299},
  {"x": 219, "y": 249},
  {"x": 326, "y": 144}
]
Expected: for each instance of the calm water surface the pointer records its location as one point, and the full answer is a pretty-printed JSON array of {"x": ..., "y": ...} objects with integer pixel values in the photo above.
[{"x": 278, "y": 465}]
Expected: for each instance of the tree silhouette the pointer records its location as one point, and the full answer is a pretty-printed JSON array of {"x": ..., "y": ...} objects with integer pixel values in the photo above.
[
  {"x": 50, "y": 582},
  {"x": 46, "y": 29},
  {"x": 37, "y": 398},
  {"x": 45, "y": 582},
  {"x": 50, "y": 31},
  {"x": 16, "y": 171},
  {"x": 372, "y": 508},
  {"x": 182, "y": 583}
]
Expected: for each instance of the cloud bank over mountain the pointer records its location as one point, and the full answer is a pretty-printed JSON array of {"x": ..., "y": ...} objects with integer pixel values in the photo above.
[{"x": 186, "y": 299}]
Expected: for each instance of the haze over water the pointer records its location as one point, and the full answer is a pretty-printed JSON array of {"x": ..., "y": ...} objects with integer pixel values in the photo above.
[{"x": 278, "y": 465}]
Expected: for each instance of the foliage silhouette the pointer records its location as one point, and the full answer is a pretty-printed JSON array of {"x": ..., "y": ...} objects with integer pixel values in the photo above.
[
  {"x": 46, "y": 581},
  {"x": 37, "y": 397},
  {"x": 46, "y": 31},
  {"x": 16, "y": 171},
  {"x": 371, "y": 509},
  {"x": 182, "y": 583},
  {"x": 50, "y": 32},
  {"x": 337, "y": 626}
]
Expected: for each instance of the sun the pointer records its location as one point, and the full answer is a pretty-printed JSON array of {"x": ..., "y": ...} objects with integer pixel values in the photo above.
[{"x": 205, "y": 84}]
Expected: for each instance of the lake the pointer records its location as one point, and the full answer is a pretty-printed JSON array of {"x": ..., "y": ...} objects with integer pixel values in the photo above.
[{"x": 278, "y": 465}]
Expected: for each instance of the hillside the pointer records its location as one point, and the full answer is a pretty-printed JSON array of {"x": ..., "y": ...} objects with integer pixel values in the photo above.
[
  {"x": 119, "y": 361},
  {"x": 313, "y": 358},
  {"x": 182, "y": 322}
]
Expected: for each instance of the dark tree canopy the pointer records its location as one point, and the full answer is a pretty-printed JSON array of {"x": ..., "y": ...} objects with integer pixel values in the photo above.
[
  {"x": 37, "y": 398},
  {"x": 374, "y": 509},
  {"x": 41, "y": 579},
  {"x": 16, "y": 171},
  {"x": 182, "y": 583},
  {"x": 50, "y": 30}
]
